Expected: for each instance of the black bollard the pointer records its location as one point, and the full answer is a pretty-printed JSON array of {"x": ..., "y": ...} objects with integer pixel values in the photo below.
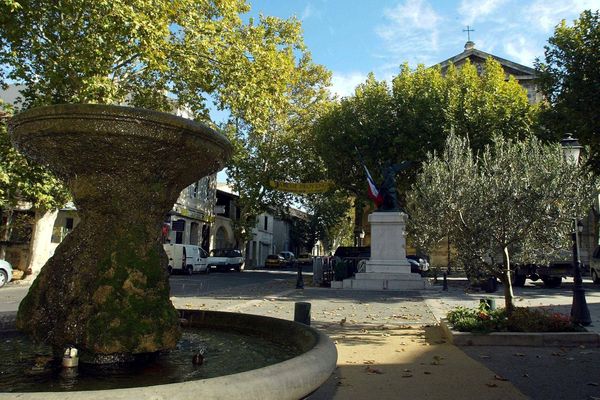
[
  {"x": 300, "y": 280},
  {"x": 302, "y": 312},
  {"x": 445, "y": 282}
]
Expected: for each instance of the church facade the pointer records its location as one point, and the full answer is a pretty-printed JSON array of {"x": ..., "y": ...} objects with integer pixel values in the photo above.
[{"x": 526, "y": 76}]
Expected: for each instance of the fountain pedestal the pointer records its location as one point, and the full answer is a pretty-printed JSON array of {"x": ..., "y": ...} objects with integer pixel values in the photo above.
[{"x": 106, "y": 290}]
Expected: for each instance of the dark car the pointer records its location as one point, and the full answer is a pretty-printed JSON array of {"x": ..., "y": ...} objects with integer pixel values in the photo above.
[{"x": 354, "y": 255}]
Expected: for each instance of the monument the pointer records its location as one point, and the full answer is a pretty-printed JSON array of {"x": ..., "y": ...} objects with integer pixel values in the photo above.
[{"x": 387, "y": 267}]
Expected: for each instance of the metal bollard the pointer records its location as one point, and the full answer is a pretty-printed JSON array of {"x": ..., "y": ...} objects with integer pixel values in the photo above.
[
  {"x": 302, "y": 312},
  {"x": 300, "y": 280},
  {"x": 445, "y": 282}
]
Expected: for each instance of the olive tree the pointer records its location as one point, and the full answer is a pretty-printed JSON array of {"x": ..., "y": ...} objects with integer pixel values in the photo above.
[{"x": 514, "y": 200}]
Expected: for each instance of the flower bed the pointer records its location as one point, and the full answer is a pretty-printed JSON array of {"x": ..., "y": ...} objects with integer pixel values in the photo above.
[{"x": 522, "y": 319}]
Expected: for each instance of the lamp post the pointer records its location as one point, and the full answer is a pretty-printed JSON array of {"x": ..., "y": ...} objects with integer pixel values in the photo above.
[{"x": 580, "y": 314}]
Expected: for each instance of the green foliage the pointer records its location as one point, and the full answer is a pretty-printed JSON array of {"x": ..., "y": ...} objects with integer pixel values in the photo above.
[
  {"x": 413, "y": 116},
  {"x": 514, "y": 200},
  {"x": 480, "y": 319},
  {"x": 23, "y": 181},
  {"x": 181, "y": 54},
  {"x": 569, "y": 78},
  {"x": 522, "y": 319},
  {"x": 149, "y": 53},
  {"x": 281, "y": 151}
]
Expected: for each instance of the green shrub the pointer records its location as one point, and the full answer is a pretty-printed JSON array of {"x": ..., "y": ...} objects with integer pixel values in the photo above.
[
  {"x": 523, "y": 319},
  {"x": 481, "y": 319}
]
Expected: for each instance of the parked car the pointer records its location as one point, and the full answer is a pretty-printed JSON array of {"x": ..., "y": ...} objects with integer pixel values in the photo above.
[
  {"x": 289, "y": 257},
  {"x": 355, "y": 258},
  {"x": 305, "y": 258},
  {"x": 275, "y": 261},
  {"x": 225, "y": 259},
  {"x": 186, "y": 258},
  {"x": 418, "y": 265},
  {"x": 5, "y": 272}
]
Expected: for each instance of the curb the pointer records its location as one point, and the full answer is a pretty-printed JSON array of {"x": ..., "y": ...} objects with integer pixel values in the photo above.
[{"x": 533, "y": 339}]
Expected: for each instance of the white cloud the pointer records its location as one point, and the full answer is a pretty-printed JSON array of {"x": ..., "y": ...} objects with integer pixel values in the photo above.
[
  {"x": 343, "y": 84},
  {"x": 411, "y": 27},
  {"x": 546, "y": 14},
  {"x": 521, "y": 50},
  {"x": 477, "y": 10},
  {"x": 307, "y": 12}
]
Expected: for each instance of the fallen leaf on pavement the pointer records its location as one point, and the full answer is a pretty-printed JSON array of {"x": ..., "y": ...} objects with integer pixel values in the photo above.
[
  {"x": 407, "y": 375},
  {"x": 500, "y": 378},
  {"x": 491, "y": 384},
  {"x": 372, "y": 370},
  {"x": 427, "y": 372},
  {"x": 519, "y": 354},
  {"x": 369, "y": 362}
]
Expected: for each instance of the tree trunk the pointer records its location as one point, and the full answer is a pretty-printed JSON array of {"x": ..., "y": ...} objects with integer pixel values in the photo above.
[
  {"x": 6, "y": 231},
  {"x": 507, "y": 283},
  {"x": 41, "y": 237}
]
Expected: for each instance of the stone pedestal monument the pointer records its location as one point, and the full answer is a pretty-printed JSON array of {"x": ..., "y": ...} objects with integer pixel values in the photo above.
[{"x": 388, "y": 267}]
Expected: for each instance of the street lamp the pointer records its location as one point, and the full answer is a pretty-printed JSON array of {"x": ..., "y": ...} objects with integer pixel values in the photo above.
[{"x": 580, "y": 314}]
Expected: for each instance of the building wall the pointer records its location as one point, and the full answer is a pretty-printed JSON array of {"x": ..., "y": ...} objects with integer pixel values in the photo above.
[
  {"x": 261, "y": 244},
  {"x": 190, "y": 220},
  {"x": 281, "y": 235}
]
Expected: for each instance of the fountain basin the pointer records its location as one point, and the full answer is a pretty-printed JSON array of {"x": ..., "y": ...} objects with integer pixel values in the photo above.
[{"x": 291, "y": 379}]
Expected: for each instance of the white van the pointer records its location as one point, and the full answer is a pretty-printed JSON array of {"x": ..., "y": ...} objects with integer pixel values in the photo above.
[{"x": 186, "y": 258}]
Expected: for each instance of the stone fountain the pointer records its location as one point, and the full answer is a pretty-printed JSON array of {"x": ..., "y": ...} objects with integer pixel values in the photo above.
[{"x": 106, "y": 288}]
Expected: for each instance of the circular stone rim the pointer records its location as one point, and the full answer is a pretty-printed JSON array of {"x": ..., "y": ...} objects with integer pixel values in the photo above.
[{"x": 292, "y": 379}]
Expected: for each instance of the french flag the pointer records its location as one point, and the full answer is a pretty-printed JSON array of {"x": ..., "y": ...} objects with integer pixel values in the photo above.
[{"x": 373, "y": 190}]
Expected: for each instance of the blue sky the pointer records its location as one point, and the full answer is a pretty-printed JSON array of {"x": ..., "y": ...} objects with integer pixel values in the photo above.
[{"x": 354, "y": 37}]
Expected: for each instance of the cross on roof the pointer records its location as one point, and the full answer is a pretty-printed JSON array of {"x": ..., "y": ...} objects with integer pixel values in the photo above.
[{"x": 468, "y": 30}]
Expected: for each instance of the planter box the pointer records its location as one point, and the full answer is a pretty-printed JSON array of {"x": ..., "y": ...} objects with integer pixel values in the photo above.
[{"x": 534, "y": 339}]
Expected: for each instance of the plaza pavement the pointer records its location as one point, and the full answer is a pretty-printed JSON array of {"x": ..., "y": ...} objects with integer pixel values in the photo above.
[{"x": 390, "y": 347}]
